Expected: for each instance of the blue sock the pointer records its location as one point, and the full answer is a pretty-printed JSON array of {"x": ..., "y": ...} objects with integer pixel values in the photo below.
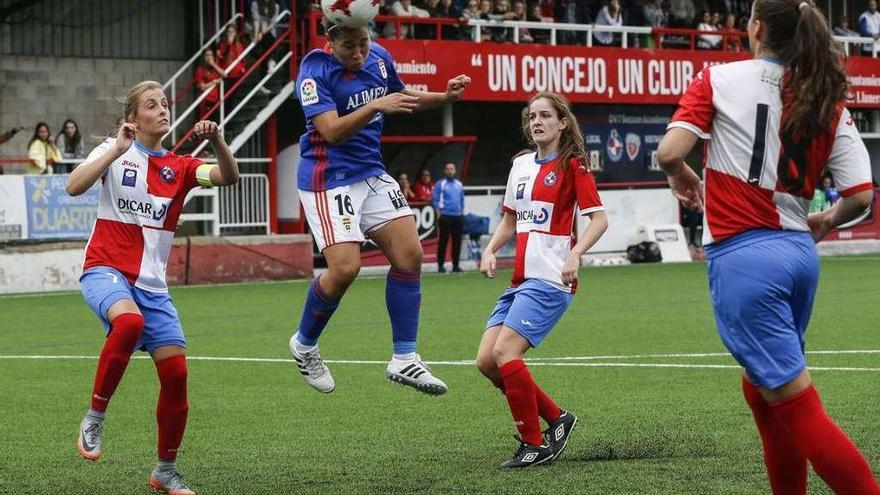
[
  {"x": 403, "y": 297},
  {"x": 316, "y": 313}
]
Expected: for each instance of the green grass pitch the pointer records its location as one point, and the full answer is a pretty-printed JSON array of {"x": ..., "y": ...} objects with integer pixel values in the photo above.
[{"x": 256, "y": 427}]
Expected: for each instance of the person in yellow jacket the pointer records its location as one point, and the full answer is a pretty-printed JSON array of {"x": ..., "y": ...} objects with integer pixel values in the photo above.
[{"x": 42, "y": 151}]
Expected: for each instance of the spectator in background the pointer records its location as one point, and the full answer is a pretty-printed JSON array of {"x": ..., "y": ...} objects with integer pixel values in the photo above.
[
  {"x": 424, "y": 188},
  {"x": 537, "y": 15},
  {"x": 502, "y": 12},
  {"x": 842, "y": 28},
  {"x": 519, "y": 14},
  {"x": 402, "y": 8},
  {"x": 472, "y": 11},
  {"x": 486, "y": 7},
  {"x": 448, "y": 202},
  {"x": 682, "y": 13},
  {"x": 405, "y": 186},
  {"x": 445, "y": 10},
  {"x": 6, "y": 136},
  {"x": 548, "y": 8},
  {"x": 610, "y": 15},
  {"x": 571, "y": 12},
  {"x": 832, "y": 195},
  {"x": 42, "y": 152},
  {"x": 262, "y": 14},
  {"x": 229, "y": 49},
  {"x": 654, "y": 14},
  {"x": 207, "y": 76},
  {"x": 733, "y": 36},
  {"x": 69, "y": 141},
  {"x": 426, "y": 31},
  {"x": 716, "y": 20},
  {"x": 708, "y": 41},
  {"x": 869, "y": 26}
]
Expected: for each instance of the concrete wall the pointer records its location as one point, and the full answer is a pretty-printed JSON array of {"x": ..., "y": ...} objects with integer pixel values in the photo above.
[{"x": 52, "y": 89}]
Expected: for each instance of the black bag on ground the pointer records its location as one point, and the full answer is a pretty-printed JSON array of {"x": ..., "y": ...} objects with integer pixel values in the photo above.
[{"x": 644, "y": 252}]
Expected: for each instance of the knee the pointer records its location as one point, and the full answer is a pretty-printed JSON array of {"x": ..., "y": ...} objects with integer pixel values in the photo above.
[
  {"x": 411, "y": 258},
  {"x": 501, "y": 355},
  {"x": 486, "y": 365},
  {"x": 343, "y": 274}
]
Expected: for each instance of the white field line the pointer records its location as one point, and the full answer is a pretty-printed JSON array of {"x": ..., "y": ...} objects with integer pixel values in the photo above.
[
  {"x": 686, "y": 355},
  {"x": 471, "y": 362}
]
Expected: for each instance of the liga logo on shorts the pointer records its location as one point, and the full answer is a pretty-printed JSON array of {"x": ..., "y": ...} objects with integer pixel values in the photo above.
[
  {"x": 308, "y": 92},
  {"x": 346, "y": 223}
]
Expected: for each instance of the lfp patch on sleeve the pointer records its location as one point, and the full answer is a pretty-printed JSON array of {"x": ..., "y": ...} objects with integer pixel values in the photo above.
[{"x": 308, "y": 92}]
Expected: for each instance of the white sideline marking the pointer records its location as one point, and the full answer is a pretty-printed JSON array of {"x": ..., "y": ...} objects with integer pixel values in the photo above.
[
  {"x": 685, "y": 355},
  {"x": 465, "y": 362}
]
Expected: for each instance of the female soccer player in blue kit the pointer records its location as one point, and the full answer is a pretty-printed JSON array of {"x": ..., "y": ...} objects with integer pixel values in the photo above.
[
  {"x": 544, "y": 190},
  {"x": 774, "y": 123},
  {"x": 345, "y": 91}
]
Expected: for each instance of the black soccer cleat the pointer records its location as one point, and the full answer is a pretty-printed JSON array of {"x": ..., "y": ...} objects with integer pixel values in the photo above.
[
  {"x": 529, "y": 455},
  {"x": 558, "y": 433}
]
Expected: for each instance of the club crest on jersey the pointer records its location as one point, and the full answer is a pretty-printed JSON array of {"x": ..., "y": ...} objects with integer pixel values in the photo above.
[
  {"x": 633, "y": 145},
  {"x": 550, "y": 179},
  {"x": 382, "y": 69},
  {"x": 308, "y": 92},
  {"x": 614, "y": 146},
  {"x": 129, "y": 177},
  {"x": 167, "y": 174}
]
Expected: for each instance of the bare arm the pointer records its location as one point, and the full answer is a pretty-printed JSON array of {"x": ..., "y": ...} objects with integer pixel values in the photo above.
[
  {"x": 505, "y": 230},
  {"x": 845, "y": 210},
  {"x": 87, "y": 173},
  {"x": 428, "y": 100},
  {"x": 598, "y": 225},
  {"x": 684, "y": 182},
  {"x": 226, "y": 171}
]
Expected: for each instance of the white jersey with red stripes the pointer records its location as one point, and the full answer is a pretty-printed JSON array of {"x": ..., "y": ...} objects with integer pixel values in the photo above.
[
  {"x": 756, "y": 176},
  {"x": 544, "y": 202},
  {"x": 142, "y": 194}
]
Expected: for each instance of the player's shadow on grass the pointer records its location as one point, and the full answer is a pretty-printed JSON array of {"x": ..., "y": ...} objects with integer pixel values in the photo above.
[{"x": 635, "y": 449}]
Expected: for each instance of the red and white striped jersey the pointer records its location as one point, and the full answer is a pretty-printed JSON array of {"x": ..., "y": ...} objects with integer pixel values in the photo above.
[
  {"x": 755, "y": 175},
  {"x": 544, "y": 203},
  {"x": 141, "y": 199}
]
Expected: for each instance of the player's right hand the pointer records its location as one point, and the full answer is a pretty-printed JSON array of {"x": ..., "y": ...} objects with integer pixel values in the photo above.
[
  {"x": 487, "y": 265},
  {"x": 125, "y": 137},
  {"x": 686, "y": 187},
  {"x": 396, "y": 103}
]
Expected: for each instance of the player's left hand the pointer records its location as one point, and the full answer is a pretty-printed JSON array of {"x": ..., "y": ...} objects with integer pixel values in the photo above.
[
  {"x": 570, "y": 269},
  {"x": 455, "y": 87},
  {"x": 686, "y": 187},
  {"x": 205, "y": 129},
  {"x": 818, "y": 224}
]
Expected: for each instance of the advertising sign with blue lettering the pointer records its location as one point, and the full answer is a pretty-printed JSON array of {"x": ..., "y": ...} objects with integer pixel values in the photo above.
[{"x": 54, "y": 214}]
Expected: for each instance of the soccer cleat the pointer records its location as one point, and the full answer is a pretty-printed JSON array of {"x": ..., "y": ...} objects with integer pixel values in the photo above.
[
  {"x": 88, "y": 443},
  {"x": 457, "y": 269},
  {"x": 313, "y": 369},
  {"x": 170, "y": 482},
  {"x": 557, "y": 434},
  {"x": 416, "y": 374},
  {"x": 529, "y": 455}
]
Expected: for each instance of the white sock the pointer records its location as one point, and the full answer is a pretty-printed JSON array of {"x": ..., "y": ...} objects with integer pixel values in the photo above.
[
  {"x": 302, "y": 348},
  {"x": 96, "y": 416},
  {"x": 410, "y": 356}
]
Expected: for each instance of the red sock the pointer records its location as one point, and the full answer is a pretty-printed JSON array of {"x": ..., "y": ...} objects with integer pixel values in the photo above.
[
  {"x": 125, "y": 330},
  {"x": 834, "y": 457},
  {"x": 172, "y": 409},
  {"x": 786, "y": 465},
  {"x": 547, "y": 409},
  {"x": 519, "y": 388}
]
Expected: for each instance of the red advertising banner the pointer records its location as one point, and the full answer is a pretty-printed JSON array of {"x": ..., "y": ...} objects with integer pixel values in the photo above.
[{"x": 514, "y": 72}]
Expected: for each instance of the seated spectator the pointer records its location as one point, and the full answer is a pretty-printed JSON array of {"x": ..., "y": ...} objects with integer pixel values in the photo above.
[
  {"x": 733, "y": 36},
  {"x": 69, "y": 141},
  {"x": 869, "y": 26},
  {"x": 682, "y": 14},
  {"x": 842, "y": 28},
  {"x": 405, "y": 187},
  {"x": 208, "y": 76},
  {"x": 536, "y": 15},
  {"x": 610, "y": 15},
  {"x": 571, "y": 12},
  {"x": 42, "y": 152},
  {"x": 424, "y": 189},
  {"x": 402, "y": 8},
  {"x": 707, "y": 41},
  {"x": 471, "y": 12}
]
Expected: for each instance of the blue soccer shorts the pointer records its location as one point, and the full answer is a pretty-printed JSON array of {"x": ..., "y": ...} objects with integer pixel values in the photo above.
[
  {"x": 532, "y": 309},
  {"x": 762, "y": 285},
  {"x": 103, "y": 286}
]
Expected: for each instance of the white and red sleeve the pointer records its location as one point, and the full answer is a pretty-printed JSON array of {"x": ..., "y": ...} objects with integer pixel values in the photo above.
[
  {"x": 193, "y": 171},
  {"x": 588, "y": 199},
  {"x": 695, "y": 109},
  {"x": 849, "y": 163}
]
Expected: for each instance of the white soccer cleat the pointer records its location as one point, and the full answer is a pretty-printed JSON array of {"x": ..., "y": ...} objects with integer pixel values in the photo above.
[
  {"x": 416, "y": 374},
  {"x": 312, "y": 368},
  {"x": 88, "y": 443}
]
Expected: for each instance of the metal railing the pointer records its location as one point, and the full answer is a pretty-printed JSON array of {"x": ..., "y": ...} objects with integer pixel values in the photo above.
[
  {"x": 553, "y": 27},
  {"x": 244, "y": 204}
]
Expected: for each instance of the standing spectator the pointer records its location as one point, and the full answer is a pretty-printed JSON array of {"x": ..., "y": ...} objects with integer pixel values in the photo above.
[
  {"x": 716, "y": 20},
  {"x": 502, "y": 13},
  {"x": 426, "y": 31},
  {"x": 448, "y": 201},
  {"x": 402, "y": 8},
  {"x": 486, "y": 7},
  {"x": 842, "y": 28},
  {"x": 207, "y": 76},
  {"x": 444, "y": 10},
  {"x": 227, "y": 51},
  {"x": 42, "y": 152},
  {"x": 571, "y": 12},
  {"x": 869, "y": 26},
  {"x": 424, "y": 189},
  {"x": 519, "y": 14},
  {"x": 654, "y": 14},
  {"x": 471, "y": 12},
  {"x": 69, "y": 141},
  {"x": 405, "y": 187},
  {"x": 708, "y": 41},
  {"x": 732, "y": 36},
  {"x": 609, "y": 15},
  {"x": 682, "y": 13},
  {"x": 262, "y": 14},
  {"x": 536, "y": 15}
]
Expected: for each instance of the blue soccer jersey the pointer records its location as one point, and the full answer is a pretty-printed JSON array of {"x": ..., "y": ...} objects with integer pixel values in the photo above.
[{"x": 325, "y": 85}]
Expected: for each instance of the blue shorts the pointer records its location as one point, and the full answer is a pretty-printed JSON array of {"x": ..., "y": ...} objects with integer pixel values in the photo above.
[
  {"x": 762, "y": 285},
  {"x": 531, "y": 310},
  {"x": 103, "y": 286}
]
